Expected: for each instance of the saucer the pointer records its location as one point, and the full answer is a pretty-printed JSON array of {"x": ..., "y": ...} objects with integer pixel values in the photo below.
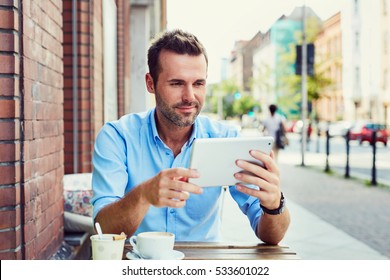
[{"x": 176, "y": 255}]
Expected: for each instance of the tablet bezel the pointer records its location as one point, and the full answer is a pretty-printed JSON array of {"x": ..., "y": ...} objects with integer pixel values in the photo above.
[{"x": 207, "y": 153}]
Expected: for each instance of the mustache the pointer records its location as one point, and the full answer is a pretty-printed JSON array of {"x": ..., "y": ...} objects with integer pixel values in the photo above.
[{"x": 192, "y": 103}]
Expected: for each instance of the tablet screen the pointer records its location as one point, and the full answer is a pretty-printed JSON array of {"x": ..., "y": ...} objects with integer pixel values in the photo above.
[{"x": 215, "y": 158}]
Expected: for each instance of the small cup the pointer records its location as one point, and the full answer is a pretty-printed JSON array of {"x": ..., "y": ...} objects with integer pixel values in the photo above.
[
  {"x": 107, "y": 248},
  {"x": 153, "y": 245}
]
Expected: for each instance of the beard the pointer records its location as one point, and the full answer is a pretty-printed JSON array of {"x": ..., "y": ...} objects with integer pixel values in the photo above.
[{"x": 181, "y": 120}]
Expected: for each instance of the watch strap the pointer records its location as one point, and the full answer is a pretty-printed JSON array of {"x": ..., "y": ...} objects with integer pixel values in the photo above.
[{"x": 278, "y": 210}]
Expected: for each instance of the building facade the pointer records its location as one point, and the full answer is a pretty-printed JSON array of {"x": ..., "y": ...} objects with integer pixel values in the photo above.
[
  {"x": 328, "y": 45},
  {"x": 361, "y": 60},
  {"x": 271, "y": 65},
  {"x": 352, "y": 50},
  {"x": 385, "y": 60}
]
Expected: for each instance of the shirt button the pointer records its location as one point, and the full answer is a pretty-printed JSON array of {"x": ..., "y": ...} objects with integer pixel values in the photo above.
[{"x": 172, "y": 211}]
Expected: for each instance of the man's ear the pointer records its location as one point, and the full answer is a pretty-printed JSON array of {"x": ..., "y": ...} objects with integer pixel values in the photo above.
[{"x": 149, "y": 83}]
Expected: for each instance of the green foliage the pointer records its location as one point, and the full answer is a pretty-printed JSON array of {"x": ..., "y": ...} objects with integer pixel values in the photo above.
[
  {"x": 244, "y": 105},
  {"x": 231, "y": 105}
]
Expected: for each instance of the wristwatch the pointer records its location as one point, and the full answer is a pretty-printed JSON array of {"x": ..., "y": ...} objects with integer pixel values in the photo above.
[{"x": 278, "y": 210}]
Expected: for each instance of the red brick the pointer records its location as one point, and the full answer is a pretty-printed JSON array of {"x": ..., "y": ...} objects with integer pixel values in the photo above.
[
  {"x": 30, "y": 250},
  {"x": 28, "y": 130},
  {"x": 30, "y": 69},
  {"x": 9, "y": 239},
  {"x": 9, "y": 109},
  {"x": 9, "y": 86},
  {"x": 10, "y": 218},
  {"x": 11, "y": 255},
  {"x": 9, "y": 152},
  {"x": 28, "y": 175},
  {"x": 58, "y": 225},
  {"x": 30, "y": 231},
  {"x": 28, "y": 28},
  {"x": 9, "y": 42},
  {"x": 30, "y": 190},
  {"x": 9, "y": 64},
  {"x": 41, "y": 221},
  {"x": 55, "y": 12},
  {"x": 9, "y": 19},
  {"x": 9, "y": 130},
  {"x": 9, "y": 174},
  {"x": 10, "y": 196},
  {"x": 28, "y": 110}
]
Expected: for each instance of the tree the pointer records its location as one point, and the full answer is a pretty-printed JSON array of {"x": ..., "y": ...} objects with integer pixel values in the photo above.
[
  {"x": 234, "y": 103},
  {"x": 244, "y": 105}
]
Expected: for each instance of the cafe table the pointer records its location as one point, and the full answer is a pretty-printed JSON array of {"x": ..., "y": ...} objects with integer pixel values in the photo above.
[{"x": 230, "y": 251}]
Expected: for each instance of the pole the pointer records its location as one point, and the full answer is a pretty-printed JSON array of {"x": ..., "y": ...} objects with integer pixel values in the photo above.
[
  {"x": 327, "y": 150},
  {"x": 304, "y": 86},
  {"x": 347, "y": 136},
  {"x": 373, "y": 171}
]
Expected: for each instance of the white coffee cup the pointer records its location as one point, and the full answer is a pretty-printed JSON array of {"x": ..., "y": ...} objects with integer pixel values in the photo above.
[
  {"x": 153, "y": 245},
  {"x": 107, "y": 248}
]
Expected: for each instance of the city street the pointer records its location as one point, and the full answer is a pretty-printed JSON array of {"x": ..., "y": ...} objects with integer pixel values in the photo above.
[
  {"x": 352, "y": 207},
  {"x": 360, "y": 159}
]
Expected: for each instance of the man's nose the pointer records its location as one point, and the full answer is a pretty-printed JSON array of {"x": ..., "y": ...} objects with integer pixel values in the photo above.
[{"x": 189, "y": 93}]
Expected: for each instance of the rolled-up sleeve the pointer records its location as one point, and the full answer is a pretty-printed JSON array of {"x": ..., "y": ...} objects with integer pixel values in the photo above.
[{"x": 110, "y": 176}]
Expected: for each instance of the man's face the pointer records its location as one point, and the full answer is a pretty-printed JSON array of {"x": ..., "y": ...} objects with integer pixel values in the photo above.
[{"x": 181, "y": 87}]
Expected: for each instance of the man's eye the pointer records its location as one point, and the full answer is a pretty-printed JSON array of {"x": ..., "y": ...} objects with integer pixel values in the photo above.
[{"x": 175, "y": 84}]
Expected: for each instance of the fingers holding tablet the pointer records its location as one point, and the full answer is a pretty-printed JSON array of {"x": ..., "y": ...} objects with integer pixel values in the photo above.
[{"x": 215, "y": 158}]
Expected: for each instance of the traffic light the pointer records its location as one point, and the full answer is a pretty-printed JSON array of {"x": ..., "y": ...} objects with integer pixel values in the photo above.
[{"x": 310, "y": 59}]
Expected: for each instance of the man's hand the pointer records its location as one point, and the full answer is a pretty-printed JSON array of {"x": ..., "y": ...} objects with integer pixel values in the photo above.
[
  {"x": 266, "y": 178},
  {"x": 170, "y": 188},
  {"x": 271, "y": 228}
]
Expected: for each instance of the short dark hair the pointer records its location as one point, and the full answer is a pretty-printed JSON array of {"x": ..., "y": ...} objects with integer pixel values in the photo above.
[
  {"x": 273, "y": 108},
  {"x": 177, "y": 41}
]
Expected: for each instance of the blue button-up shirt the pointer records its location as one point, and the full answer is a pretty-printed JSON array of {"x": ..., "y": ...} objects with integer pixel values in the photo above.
[{"x": 129, "y": 151}]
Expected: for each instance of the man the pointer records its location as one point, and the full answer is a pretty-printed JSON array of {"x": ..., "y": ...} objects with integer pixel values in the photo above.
[
  {"x": 273, "y": 125},
  {"x": 140, "y": 178}
]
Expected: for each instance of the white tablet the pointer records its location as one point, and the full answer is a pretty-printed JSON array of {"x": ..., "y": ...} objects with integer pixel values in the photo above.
[{"x": 215, "y": 158}]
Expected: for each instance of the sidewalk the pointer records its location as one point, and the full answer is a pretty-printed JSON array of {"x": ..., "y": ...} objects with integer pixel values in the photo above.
[{"x": 315, "y": 199}]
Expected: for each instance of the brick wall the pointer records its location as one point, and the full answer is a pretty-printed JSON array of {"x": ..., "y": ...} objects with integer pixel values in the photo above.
[
  {"x": 89, "y": 78},
  {"x": 88, "y": 118},
  {"x": 31, "y": 129},
  {"x": 123, "y": 55}
]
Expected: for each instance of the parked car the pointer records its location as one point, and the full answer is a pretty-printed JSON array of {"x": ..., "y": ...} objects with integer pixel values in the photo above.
[{"x": 362, "y": 132}]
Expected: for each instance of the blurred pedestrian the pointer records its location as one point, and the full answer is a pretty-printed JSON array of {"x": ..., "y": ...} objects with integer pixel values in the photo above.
[{"x": 274, "y": 126}]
